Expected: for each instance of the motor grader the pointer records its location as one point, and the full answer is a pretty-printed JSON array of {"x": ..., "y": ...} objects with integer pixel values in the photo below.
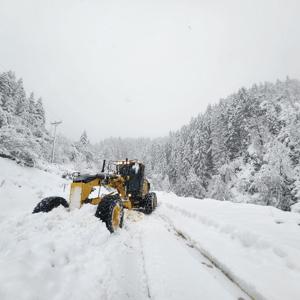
[{"x": 125, "y": 185}]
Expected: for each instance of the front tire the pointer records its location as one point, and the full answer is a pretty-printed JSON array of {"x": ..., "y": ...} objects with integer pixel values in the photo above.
[
  {"x": 49, "y": 203},
  {"x": 110, "y": 211}
]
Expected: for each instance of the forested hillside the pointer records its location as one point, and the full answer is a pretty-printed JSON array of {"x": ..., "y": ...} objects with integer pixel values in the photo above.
[
  {"x": 22, "y": 122},
  {"x": 23, "y": 135},
  {"x": 246, "y": 148}
]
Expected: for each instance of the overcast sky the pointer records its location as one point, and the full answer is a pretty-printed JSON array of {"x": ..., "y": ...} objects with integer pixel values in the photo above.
[{"x": 144, "y": 67}]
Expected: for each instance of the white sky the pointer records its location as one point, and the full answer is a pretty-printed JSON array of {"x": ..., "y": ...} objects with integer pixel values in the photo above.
[{"x": 144, "y": 67}]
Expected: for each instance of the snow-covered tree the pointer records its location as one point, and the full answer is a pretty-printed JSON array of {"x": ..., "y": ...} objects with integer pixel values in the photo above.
[
  {"x": 31, "y": 110},
  {"x": 274, "y": 181},
  {"x": 84, "y": 139},
  {"x": 22, "y": 136},
  {"x": 40, "y": 113}
]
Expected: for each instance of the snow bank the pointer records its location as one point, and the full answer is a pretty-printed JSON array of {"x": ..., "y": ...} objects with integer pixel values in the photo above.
[
  {"x": 59, "y": 255},
  {"x": 43, "y": 255},
  {"x": 296, "y": 207},
  {"x": 259, "y": 247},
  {"x": 21, "y": 188}
]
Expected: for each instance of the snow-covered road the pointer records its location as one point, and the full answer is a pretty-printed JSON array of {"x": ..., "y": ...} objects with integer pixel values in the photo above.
[
  {"x": 187, "y": 249},
  {"x": 170, "y": 268}
]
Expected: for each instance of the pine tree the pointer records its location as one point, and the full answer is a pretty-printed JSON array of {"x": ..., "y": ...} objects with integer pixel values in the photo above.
[
  {"x": 3, "y": 118},
  {"x": 274, "y": 180},
  {"x": 31, "y": 110},
  {"x": 8, "y": 89},
  {"x": 40, "y": 112},
  {"x": 84, "y": 139},
  {"x": 22, "y": 105}
]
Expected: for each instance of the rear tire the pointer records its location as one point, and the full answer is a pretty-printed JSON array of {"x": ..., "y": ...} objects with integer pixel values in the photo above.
[
  {"x": 110, "y": 211},
  {"x": 49, "y": 203},
  {"x": 150, "y": 203}
]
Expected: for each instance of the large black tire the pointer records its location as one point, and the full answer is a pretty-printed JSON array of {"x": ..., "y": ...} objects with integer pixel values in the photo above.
[
  {"x": 49, "y": 203},
  {"x": 110, "y": 211},
  {"x": 150, "y": 203}
]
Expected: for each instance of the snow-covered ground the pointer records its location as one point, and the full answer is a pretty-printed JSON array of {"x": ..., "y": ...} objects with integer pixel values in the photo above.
[
  {"x": 175, "y": 253},
  {"x": 257, "y": 246}
]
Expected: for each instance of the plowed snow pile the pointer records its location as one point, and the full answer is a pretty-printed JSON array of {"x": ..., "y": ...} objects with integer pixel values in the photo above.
[{"x": 45, "y": 254}]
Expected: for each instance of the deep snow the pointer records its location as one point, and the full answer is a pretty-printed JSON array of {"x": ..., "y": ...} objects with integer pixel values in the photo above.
[
  {"x": 71, "y": 255},
  {"x": 258, "y": 246}
]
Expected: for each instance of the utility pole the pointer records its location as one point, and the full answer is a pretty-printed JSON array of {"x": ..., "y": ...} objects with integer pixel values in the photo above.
[{"x": 55, "y": 124}]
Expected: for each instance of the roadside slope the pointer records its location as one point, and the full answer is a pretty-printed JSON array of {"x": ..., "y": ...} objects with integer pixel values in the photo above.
[{"x": 21, "y": 188}]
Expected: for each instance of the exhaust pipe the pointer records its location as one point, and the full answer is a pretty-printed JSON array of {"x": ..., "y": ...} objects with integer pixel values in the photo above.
[{"x": 103, "y": 166}]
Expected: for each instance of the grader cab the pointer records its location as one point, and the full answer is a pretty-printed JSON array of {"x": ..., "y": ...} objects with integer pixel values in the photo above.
[{"x": 125, "y": 186}]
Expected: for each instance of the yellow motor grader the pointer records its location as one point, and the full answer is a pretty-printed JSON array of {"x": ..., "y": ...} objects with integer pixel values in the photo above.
[{"x": 125, "y": 185}]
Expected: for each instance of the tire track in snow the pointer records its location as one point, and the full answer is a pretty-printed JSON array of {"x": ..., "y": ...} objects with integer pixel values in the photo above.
[
  {"x": 175, "y": 271},
  {"x": 187, "y": 241},
  {"x": 126, "y": 260},
  {"x": 133, "y": 219},
  {"x": 144, "y": 267}
]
